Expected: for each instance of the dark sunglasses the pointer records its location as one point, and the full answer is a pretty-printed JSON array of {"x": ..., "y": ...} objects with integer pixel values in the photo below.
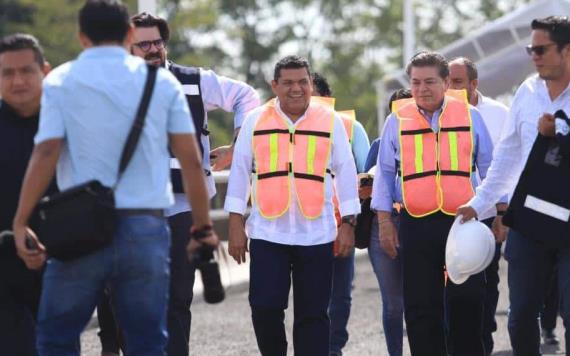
[
  {"x": 145, "y": 46},
  {"x": 538, "y": 50}
]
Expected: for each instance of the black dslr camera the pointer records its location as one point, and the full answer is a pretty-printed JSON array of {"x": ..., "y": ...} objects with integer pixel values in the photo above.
[{"x": 209, "y": 269}]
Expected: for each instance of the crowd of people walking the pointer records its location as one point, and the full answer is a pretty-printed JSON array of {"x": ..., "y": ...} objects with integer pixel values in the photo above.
[{"x": 123, "y": 129}]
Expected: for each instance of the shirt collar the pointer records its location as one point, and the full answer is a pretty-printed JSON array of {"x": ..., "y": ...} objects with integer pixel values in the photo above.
[
  {"x": 103, "y": 51},
  {"x": 435, "y": 113},
  {"x": 283, "y": 115}
]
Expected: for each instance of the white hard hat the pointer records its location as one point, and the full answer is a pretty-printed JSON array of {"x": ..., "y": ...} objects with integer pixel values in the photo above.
[{"x": 470, "y": 249}]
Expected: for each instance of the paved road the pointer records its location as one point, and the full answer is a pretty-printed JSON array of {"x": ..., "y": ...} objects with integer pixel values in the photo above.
[{"x": 226, "y": 329}]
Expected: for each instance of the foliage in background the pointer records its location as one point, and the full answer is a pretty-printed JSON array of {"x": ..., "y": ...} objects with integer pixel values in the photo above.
[{"x": 352, "y": 42}]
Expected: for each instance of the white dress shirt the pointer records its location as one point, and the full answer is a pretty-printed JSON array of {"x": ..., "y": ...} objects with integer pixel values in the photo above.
[
  {"x": 292, "y": 228},
  {"x": 530, "y": 102},
  {"x": 218, "y": 92},
  {"x": 494, "y": 116}
]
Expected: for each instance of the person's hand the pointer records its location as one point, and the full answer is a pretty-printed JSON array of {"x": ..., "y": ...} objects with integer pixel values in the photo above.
[
  {"x": 345, "y": 240},
  {"x": 212, "y": 241},
  {"x": 499, "y": 230},
  {"x": 546, "y": 125},
  {"x": 364, "y": 192},
  {"x": 388, "y": 236},
  {"x": 33, "y": 253},
  {"x": 221, "y": 157},
  {"x": 467, "y": 213},
  {"x": 237, "y": 244}
]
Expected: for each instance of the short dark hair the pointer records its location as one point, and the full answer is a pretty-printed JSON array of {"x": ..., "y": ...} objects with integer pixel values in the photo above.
[
  {"x": 290, "y": 62},
  {"x": 104, "y": 21},
  {"x": 558, "y": 27},
  {"x": 21, "y": 41},
  {"x": 145, "y": 19},
  {"x": 472, "y": 72},
  {"x": 321, "y": 85},
  {"x": 429, "y": 59},
  {"x": 403, "y": 93}
]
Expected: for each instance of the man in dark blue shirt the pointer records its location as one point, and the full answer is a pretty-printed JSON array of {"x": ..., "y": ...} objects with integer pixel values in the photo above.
[{"x": 22, "y": 69}]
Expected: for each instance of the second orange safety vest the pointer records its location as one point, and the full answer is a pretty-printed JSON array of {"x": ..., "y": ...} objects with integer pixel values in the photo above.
[
  {"x": 286, "y": 155},
  {"x": 435, "y": 167}
]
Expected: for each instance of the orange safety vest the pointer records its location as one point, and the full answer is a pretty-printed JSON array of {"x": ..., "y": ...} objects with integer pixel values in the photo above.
[
  {"x": 348, "y": 118},
  {"x": 436, "y": 167},
  {"x": 298, "y": 154}
]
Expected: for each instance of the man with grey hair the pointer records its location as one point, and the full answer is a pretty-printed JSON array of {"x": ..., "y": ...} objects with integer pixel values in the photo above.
[
  {"x": 463, "y": 74},
  {"x": 426, "y": 218}
]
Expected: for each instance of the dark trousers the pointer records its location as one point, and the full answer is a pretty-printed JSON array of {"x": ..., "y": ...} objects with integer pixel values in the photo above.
[
  {"x": 549, "y": 312},
  {"x": 529, "y": 263},
  {"x": 491, "y": 295},
  {"x": 179, "y": 317},
  {"x": 181, "y": 284},
  {"x": 19, "y": 299},
  {"x": 271, "y": 268},
  {"x": 426, "y": 294}
]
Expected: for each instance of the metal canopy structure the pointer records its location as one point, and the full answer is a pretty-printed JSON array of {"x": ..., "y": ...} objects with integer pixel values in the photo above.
[{"x": 497, "y": 49}]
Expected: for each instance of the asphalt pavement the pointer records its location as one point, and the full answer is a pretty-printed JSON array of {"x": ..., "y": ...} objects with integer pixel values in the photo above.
[{"x": 226, "y": 329}]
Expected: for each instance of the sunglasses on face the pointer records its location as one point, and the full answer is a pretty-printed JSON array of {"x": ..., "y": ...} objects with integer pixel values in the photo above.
[
  {"x": 145, "y": 46},
  {"x": 538, "y": 50}
]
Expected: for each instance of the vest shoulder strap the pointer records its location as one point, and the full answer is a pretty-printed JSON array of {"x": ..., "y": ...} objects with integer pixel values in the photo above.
[{"x": 190, "y": 76}]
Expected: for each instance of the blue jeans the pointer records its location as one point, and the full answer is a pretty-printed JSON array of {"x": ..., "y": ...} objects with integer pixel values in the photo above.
[
  {"x": 341, "y": 300},
  {"x": 389, "y": 274},
  {"x": 134, "y": 266},
  {"x": 529, "y": 262}
]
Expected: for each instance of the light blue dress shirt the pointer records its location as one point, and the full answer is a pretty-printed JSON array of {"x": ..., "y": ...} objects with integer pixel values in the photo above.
[
  {"x": 91, "y": 103},
  {"x": 387, "y": 184},
  {"x": 360, "y": 146}
]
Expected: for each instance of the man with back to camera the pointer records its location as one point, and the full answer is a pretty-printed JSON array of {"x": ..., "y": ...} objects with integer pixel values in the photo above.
[
  {"x": 293, "y": 144},
  {"x": 534, "y": 104},
  {"x": 205, "y": 91},
  {"x": 430, "y": 145},
  {"x": 463, "y": 75},
  {"x": 88, "y": 108},
  {"x": 22, "y": 69}
]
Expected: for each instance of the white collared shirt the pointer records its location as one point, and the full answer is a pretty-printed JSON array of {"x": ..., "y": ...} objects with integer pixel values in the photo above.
[
  {"x": 494, "y": 116},
  {"x": 530, "y": 102},
  {"x": 292, "y": 228}
]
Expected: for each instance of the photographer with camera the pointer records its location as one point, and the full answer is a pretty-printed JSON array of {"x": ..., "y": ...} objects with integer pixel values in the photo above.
[
  {"x": 103, "y": 145},
  {"x": 205, "y": 91}
]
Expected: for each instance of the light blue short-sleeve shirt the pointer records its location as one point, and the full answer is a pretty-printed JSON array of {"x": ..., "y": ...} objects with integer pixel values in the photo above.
[{"x": 91, "y": 103}]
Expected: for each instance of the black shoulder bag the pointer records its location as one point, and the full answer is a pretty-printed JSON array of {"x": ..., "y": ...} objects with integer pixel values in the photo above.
[
  {"x": 82, "y": 219},
  {"x": 540, "y": 206}
]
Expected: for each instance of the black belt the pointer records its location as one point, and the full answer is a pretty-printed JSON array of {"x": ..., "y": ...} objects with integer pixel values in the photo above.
[{"x": 159, "y": 213}]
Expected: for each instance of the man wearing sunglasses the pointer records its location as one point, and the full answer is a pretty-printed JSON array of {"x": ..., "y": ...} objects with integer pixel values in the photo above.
[
  {"x": 205, "y": 91},
  {"x": 534, "y": 104}
]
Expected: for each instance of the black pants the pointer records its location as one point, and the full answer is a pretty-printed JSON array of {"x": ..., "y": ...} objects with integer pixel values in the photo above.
[
  {"x": 491, "y": 295},
  {"x": 20, "y": 290},
  {"x": 271, "y": 268},
  {"x": 549, "y": 312},
  {"x": 182, "y": 272},
  {"x": 440, "y": 319}
]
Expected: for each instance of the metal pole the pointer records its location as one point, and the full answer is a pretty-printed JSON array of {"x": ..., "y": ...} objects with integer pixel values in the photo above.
[
  {"x": 147, "y": 5},
  {"x": 409, "y": 32}
]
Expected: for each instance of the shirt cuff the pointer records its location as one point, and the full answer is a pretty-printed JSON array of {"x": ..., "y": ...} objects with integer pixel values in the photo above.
[
  {"x": 349, "y": 207},
  {"x": 380, "y": 205},
  {"x": 479, "y": 205},
  {"x": 235, "y": 205}
]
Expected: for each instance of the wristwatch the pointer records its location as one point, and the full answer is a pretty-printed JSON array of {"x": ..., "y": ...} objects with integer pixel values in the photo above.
[{"x": 349, "y": 219}]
